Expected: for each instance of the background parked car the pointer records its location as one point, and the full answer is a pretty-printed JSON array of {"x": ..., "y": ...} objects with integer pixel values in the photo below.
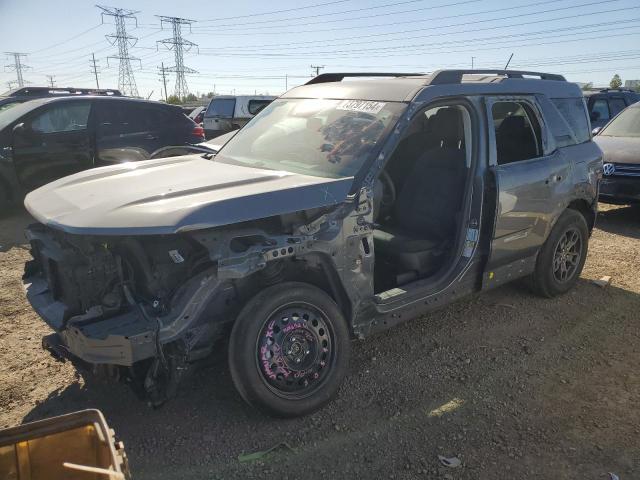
[
  {"x": 197, "y": 114},
  {"x": 44, "y": 139},
  {"x": 605, "y": 104},
  {"x": 20, "y": 95},
  {"x": 620, "y": 143},
  {"x": 227, "y": 113}
]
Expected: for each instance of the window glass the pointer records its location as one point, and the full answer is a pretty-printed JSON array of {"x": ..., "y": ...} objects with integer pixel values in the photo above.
[
  {"x": 221, "y": 108},
  {"x": 256, "y": 105},
  {"x": 616, "y": 105},
  {"x": 64, "y": 117},
  {"x": 517, "y": 132},
  {"x": 573, "y": 112},
  {"x": 319, "y": 137},
  {"x": 627, "y": 124},
  {"x": 119, "y": 118},
  {"x": 600, "y": 110}
]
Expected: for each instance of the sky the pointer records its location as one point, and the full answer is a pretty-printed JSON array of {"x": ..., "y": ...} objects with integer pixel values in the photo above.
[{"x": 250, "y": 46}]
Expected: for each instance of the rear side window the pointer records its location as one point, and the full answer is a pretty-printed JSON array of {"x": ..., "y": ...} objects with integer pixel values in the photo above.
[
  {"x": 517, "y": 132},
  {"x": 573, "y": 112},
  {"x": 255, "y": 106},
  {"x": 600, "y": 110},
  {"x": 65, "y": 117},
  {"x": 616, "y": 105},
  {"x": 221, "y": 108}
]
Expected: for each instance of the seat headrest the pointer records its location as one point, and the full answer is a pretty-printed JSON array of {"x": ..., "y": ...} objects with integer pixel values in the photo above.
[
  {"x": 446, "y": 127},
  {"x": 512, "y": 126}
]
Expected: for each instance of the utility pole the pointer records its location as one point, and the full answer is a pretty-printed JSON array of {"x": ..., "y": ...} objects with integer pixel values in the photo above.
[
  {"x": 317, "y": 68},
  {"x": 472, "y": 61},
  {"x": 286, "y": 82},
  {"x": 126, "y": 80},
  {"x": 51, "y": 80},
  {"x": 94, "y": 69},
  {"x": 163, "y": 73},
  {"x": 18, "y": 66},
  {"x": 10, "y": 84},
  {"x": 179, "y": 45}
]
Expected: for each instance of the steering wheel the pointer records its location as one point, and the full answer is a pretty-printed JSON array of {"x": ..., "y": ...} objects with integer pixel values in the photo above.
[{"x": 389, "y": 190}]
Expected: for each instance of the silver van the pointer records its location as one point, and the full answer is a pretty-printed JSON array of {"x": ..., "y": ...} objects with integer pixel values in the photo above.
[{"x": 228, "y": 112}]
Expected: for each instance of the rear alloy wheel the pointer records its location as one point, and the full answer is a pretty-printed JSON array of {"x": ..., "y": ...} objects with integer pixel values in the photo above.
[
  {"x": 289, "y": 349},
  {"x": 562, "y": 256}
]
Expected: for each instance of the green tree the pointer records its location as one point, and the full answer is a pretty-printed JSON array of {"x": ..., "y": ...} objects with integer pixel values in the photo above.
[
  {"x": 616, "y": 81},
  {"x": 190, "y": 98},
  {"x": 587, "y": 86},
  {"x": 174, "y": 100}
]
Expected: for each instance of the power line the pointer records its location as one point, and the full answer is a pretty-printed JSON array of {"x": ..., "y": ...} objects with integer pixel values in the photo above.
[
  {"x": 179, "y": 45},
  {"x": 126, "y": 80},
  {"x": 17, "y": 66},
  {"x": 276, "y": 11},
  {"x": 51, "y": 79}
]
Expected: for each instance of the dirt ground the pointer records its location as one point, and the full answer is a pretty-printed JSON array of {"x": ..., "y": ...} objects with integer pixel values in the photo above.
[{"x": 513, "y": 385}]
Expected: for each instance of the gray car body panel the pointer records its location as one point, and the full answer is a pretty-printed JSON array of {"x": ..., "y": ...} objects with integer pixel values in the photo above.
[{"x": 176, "y": 194}]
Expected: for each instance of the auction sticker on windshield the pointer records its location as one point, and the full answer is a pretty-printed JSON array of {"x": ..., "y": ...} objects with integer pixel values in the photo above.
[{"x": 363, "y": 106}]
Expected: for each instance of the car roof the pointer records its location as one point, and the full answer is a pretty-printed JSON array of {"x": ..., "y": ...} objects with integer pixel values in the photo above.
[
  {"x": 404, "y": 88},
  {"x": 36, "y": 102}
]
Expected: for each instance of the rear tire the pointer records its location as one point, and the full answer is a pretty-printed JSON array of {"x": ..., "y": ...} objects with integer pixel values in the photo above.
[
  {"x": 289, "y": 350},
  {"x": 562, "y": 256}
]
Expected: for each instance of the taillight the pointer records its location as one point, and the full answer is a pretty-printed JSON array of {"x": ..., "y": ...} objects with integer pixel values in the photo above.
[{"x": 198, "y": 131}]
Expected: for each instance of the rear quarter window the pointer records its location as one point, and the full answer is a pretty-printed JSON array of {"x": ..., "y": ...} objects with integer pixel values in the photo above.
[
  {"x": 221, "y": 108},
  {"x": 574, "y": 113}
]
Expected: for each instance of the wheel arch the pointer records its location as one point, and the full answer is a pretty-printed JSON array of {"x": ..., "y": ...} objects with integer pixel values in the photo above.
[{"x": 588, "y": 211}]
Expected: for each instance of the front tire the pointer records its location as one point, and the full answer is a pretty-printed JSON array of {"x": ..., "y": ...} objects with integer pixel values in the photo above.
[
  {"x": 562, "y": 257},
  {"x": 289, "y": 350}
]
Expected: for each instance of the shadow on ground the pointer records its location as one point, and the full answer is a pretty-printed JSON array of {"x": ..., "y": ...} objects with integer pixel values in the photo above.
[
  {"x": 14, "y": 221},
  {"x": 620, "y": 221}
]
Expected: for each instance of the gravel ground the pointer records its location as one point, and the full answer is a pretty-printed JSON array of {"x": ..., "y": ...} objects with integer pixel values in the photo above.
[{"x": 513, "y": 385}]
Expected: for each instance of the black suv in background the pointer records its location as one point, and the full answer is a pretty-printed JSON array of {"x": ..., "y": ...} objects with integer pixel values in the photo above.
[
  {"x": 25, "y": 94},
  {"x": 605, "y": 104},
  {"x": 48, "y": 138}
]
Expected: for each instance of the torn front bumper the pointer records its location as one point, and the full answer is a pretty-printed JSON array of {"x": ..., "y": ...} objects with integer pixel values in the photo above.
[
  {"x": 119, "y": 340},
  {"x": 620, "y": 190}
]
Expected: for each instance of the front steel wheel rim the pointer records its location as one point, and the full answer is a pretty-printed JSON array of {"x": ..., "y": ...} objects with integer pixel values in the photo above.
[
  {"x": 567, "y": 254},
  {"x": 295, "y": 351}
]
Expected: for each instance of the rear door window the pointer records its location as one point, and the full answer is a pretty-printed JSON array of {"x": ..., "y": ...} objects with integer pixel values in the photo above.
[
  {"x": 64, "y": 117},
  {"x": 517, "y": 132},
  {"x": 573, "y": 112},
  {"x": 221, "y": 108},
  {"x": 616, "y": 105},
  {"x": 601, "y": 110},
  {"x": 255, "y": 106}
]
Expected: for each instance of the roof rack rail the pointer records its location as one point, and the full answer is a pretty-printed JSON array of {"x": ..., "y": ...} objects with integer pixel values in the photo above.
[
  {"x": 440, "y": 77},
  {"x": 620, "y": 89},
  {"x": 39, "y": 91},
  {"x": 338, "y": 77}
]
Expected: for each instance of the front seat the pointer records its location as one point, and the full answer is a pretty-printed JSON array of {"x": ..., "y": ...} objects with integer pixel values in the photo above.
[{"x": 425, "y": 211}]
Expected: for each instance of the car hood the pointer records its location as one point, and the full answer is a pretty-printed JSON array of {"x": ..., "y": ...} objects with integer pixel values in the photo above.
[
  {"x": 619, "y": 149},
  {"x": 170, "y": 195}
]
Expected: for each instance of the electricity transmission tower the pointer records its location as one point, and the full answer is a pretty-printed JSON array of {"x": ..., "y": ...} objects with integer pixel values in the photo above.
[
  {"x": 18, "y": 66},
  {"x": 126, "y": 80},
  {"x": 52, "y": 81},
  {"x": 179, "y": 45}
]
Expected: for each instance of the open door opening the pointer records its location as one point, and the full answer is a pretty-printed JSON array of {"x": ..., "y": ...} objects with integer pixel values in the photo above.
[{"x": 420, "y": 198}]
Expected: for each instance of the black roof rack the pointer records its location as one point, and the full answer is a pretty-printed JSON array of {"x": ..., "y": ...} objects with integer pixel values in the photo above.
[
  {"x": 338, "y": 77},
  {"x": 53, "y": 91},
  {"x": 621, "y": 89},
  {"x": 455, "y": 76}
]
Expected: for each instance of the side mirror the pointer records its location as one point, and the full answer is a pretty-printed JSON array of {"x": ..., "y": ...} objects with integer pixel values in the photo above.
[
  {"x": 595, "y": 131},
  {"x": 19, "y": 128},
  {"x": 594, "y": 116}
]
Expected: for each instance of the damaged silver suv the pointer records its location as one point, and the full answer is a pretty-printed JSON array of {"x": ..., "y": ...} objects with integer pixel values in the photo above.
[{"x": 347, "y": 206}]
